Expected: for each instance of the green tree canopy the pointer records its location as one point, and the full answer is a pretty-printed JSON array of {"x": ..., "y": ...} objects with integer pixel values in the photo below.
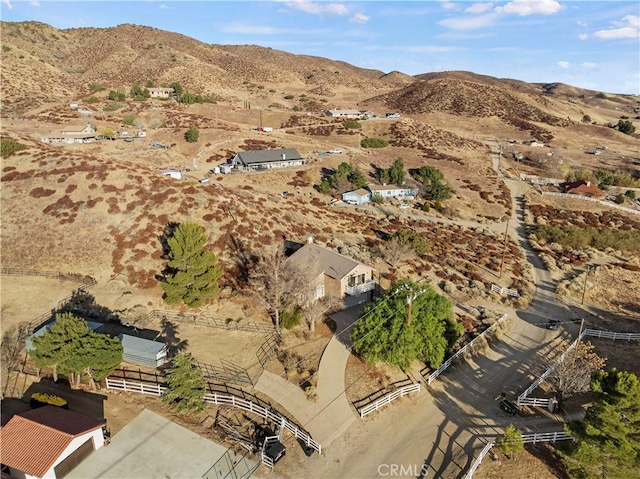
[
  {"x": 192, "y": 135},
  {"x": 193, "y": 272},
  {"x": 138, "y": 93},
  {"x": 71, "y": 348},
  {"x": 186, "y": 385},
  {"x": 344, "y": 178},
  {"x": 609, "y": 436},
  {"x": 626, "y": 127},
  {"x": 433, "y": 180},
  {"x": 511, "y": 441},
  {"x": 118, "y": 95},
  {"x": 383, "y": 333},
  {"x": 177, "y": 88}
]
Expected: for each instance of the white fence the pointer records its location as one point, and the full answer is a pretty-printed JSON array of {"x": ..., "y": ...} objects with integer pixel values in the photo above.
[
  {"x": 526, "y": 438},
  {"x": 500, "y": 290},
  {"x": 448, "y": 362},
  {"x": 588, "y": 198},
  {"x": 220, "y": 399},
  {"x": 536, "y": 402},
  {"x": 598, "y": 333},
  {"x": 403, "y": 391}
]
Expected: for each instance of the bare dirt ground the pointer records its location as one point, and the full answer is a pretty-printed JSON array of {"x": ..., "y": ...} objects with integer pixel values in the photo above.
[{"x": 536, "y": 462}]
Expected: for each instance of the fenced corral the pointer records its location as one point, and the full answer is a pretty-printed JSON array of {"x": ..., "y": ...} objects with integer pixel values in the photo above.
[
  {"x": 500, "y": 290},
  {"x": 597, "y": 333},
  {"x": 227, "y": 372},
  {"x": 593, "y": 200},
  {"x": 199, "y": 320},
  {"x": 388, "y": 399},
  {"x": 526, "y": 438},
  {"x": 267, "y": 349},
  {"x": 536, "y": 402},
  {"x": 46, "y": 317},
  {"x": 462, "y": 350},
  {"x": 222, "y": 399},
  {"x": 86, "y": 281}
]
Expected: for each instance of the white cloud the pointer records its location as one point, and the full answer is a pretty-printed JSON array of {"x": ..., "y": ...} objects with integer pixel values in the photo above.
[
  {"x": 589, "y": 65},
  {"x": 447, "y": 5},
  {"x": 629, "y": 27},
  {"x": 359, "y": 18},
  {"x": 563, "y": 64},
  {"x": 583, "y": 36},
  {"x": 318, "y": 8},
  {"x": 479, "y": 8},
  {"x": 8, "y": 4},
  {"x": 582, "y": 24},
  {"x": 163, "y": 6},
  {"x": 35, "y": 4},
  {"x": 531, "y": 7},
  {"x": 468, "y": 23}
]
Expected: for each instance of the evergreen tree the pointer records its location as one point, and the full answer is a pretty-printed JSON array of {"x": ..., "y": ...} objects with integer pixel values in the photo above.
[
  {"x": 193, "y": 271},
  {"x": 186, "y": 385},
  {"x": 626, "y": 127},
  {"x": 357, "y": 179},
  {"x": 96, "y": 356},
  {"x": 511, "y": 441},
  {"x": 608, "y": 439},
  {"x": 396, "y": 172},
  {"x": 383, "y": 332},
  {"x": 192, "y": 135}
]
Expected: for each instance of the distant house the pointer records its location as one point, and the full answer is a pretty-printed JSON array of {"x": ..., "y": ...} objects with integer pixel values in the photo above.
[
  {"x": 160, "y": 92},
  {"x": 335, "y": 275},
  {"x": 393, "y": 191},
  {"x": 267, "y": 159},
  {"x": 48, "y": 442},
  {"x": 343, "y": 113},
  {"x": 72, "y": 134},
  {"x": 584, "y": 188},
  {"x": 357, "y": 197},
  {"x": 175, "y": 174},
  {"x": 536, "y": 144},
  {"x": 392, "y": 115}
]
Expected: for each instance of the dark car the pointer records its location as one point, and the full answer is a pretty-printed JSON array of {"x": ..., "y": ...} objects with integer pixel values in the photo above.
[{"x": 553, "y": 324}]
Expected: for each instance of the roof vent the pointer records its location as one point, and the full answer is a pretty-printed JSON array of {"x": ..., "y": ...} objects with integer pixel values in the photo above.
[
  {"x": 309, "y": 239},
  {"x": 284, "y": 156}
]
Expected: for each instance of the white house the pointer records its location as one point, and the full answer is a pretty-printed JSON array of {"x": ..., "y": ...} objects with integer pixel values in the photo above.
[
  {"x": 343, "y": 113},
  {"x": 267, "y": 159},
  {"x": 72, "y": 134},
  {"x": 393, "y": 191},
  {"x": 357, "y": 197},
  {"x": 48, "y": 442},
  {"x": 160, "y": 92},
  {"x": 175, "y": 174}
]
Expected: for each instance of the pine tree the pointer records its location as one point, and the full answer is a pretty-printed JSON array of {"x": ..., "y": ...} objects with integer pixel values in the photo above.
[
  {"x": 193, "y": 271},
  {"x": 511, "y": 441},
  {"x": 608, "y": 439},
  {"x": 186, "y": 385}
]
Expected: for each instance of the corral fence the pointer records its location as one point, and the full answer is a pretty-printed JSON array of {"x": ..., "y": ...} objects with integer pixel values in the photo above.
[
  {"x": 227, "y": 372},
  {"x": 87, "y": 281},
  {"x": 597, "y": 333},
  {"x": 267, "y": 349},
  {"x": 526, "y": 438},
  {"x": 208, "y": 321},
  {"x": 500, "y": 290},
  {"x": 46, "y": 317},
  {"x": 462, "y": 350},
  {"x": 222, "y": 399},
  {"x": 594, "y": 200},
  {"x": 389, "y": 398}
]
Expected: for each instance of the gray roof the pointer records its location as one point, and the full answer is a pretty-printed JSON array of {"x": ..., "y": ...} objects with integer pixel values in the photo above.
[
  {"x": 267, "y": 156},
  {"x": 359, "y": 192},
  {"x": 317, "y": 259},
  {"x": 139, "y": 346},
  {"x": 390, "y": 188}
]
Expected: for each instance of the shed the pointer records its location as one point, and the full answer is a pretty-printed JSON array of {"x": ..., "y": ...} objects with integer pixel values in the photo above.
[{"x": 142, "y": 351}]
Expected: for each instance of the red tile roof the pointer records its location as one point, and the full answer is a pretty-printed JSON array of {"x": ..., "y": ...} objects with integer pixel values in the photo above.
[
  {"x": 33, "y": 441},
  {"x": 582, "y": 188}
]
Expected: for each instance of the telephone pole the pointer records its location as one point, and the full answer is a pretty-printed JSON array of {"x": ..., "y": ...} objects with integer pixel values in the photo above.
[{"x": 584, "y": 286}]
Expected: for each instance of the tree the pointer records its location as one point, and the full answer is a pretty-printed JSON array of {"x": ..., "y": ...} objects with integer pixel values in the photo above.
[
  {"x": 177, "y": 88},
  {"x": 630, "y": 194},
  {"x": 193, "y": 273},
  {"x": 586, "y": 119},
  {"x": 608, "y": 439},
  {"x": 318, "y": 310},
  {"x": 373, "y": 143},
  {"x": 626, "y": 127},
  {"x": 573, "y": 374},
  {"x": 116, "y": 95},
  {"x": 192, "y": 134},
  {"x": 511, "y": 441},
  {"x": 432, "y": 178},
  {"x": 128, "y": 120},
  {"x": 138, "y": 93},
  {"x": 396, "y": 172},
  {"x": 395, "y": 250},
  {"x": 109, "y": 133},
  {"x": 277, "y": 282},
  {"x": 383, "y": 332},
  {"x": 186, "y": 385},
  {"x": 357, "y": 179},
  {"x": 71, "y": 348},
  {"x": 619, "y": 199}
]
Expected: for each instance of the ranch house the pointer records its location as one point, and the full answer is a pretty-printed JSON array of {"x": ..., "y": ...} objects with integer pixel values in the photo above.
[
  {"x": 160, "y": 92},
  {"x": 267, "y": 159}
]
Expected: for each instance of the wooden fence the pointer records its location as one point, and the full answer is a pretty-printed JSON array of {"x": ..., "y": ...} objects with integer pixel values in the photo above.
[
  {"x": 448, "y": 362},
  {"x": 222, "y": 399},
  {"x": 389, "y": 398},
  {"x": 594, "y": 200},
  {"x": 208, "y": 321},
  {"x": 526, "y": 438},
  {"x": 76, "y": 278}
]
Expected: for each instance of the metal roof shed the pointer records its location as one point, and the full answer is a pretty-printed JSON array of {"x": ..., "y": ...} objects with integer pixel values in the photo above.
[{"x": 142, "y": 351}]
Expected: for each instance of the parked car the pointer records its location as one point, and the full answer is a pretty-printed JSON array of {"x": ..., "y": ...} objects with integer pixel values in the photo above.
[
  {"x": 553, "y": 324},
  {"x": 335, "y": 151}
]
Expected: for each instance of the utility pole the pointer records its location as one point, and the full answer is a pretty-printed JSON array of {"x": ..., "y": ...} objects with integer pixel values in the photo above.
[
  {"x": 581, "y": 328},
  {"x": 409, "y": 301},
  {"x": 504, "y": 248},
  {"x": 584, "y": 287}
]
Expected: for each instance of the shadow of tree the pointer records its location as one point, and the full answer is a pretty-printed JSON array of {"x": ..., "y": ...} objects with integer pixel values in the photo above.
[{"x": 169, "y": 335}]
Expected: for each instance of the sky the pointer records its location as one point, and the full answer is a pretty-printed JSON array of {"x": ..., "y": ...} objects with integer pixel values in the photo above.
[{"x": 588, "y": 44}]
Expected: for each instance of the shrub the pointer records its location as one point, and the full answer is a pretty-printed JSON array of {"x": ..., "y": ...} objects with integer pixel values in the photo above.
[
  {"x": 586, "y": 119},
  {"x": 373, "y": 143},
  {"x": 90, "y": 99},
  {"x": 272, "y": 90},
  {"x": 44, "y": 398},
  {"x": 129, "y": 120},
  {"x": 626, "y": 127},
  {"x": 8, "y": 147},
  {"x": 113, "y": 106},
  {"x": 95, "y": 87},
  {"x": 630, "y": 194},
  {"x": 297, "y": 108},
  {"x": 619, "y": 199},
  {"x": 288, "y": 97},
  {"x": 192, "y": 134},
  {"x": 377, "y": 198},
  {"x": 116, "y": 95},
  {"x": 290, "y": 317},
  {"x": 352, "y": 124}
]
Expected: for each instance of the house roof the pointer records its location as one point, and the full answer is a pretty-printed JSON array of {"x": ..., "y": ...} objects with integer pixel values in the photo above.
[
  {"x": 32, "y": 441},
  {"x": 390, "y": 188},
  {"x": 318, "y": 259},
  {"x": 345, "y": 112},
  {"x": 359, "y": 192},
  {"x": 160, "y": 89},
  {"x": 581, "y": 187},
  {"x": 268, "y": 156},
  {"x": 140, "y": 345}
]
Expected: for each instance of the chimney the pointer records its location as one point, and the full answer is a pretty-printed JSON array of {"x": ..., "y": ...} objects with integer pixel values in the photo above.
[
  {"x": 588, "y": 183},
  {"x": 284, "y": 156},
  {"x": 309, "y": 239}
]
